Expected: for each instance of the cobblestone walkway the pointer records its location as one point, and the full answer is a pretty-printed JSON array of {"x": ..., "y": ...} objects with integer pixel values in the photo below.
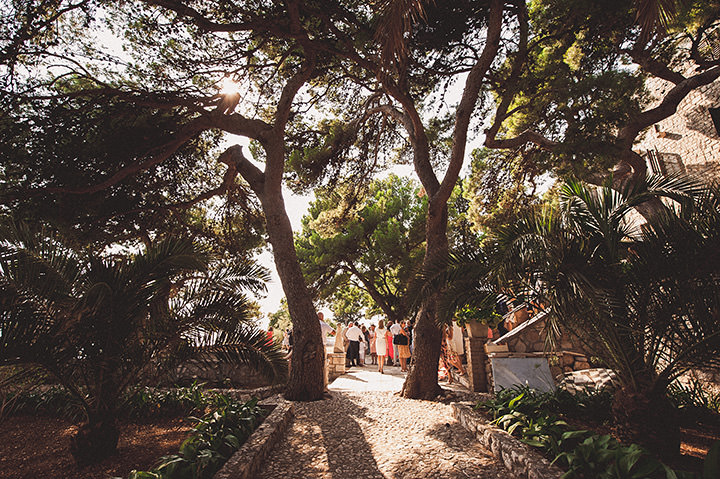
[{"x": 365, "y": 431}]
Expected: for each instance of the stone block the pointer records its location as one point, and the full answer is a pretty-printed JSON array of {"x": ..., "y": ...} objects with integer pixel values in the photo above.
[
  {"x": 532, "y": 336},
  {"x": 580, "y": 365}
]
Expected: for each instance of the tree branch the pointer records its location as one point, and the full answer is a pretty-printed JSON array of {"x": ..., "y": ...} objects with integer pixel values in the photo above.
[
  {"x": 667, "y": 107},
  {"x": 188, "y": 132},
  {"x": 234, "y": 157},
  {"x": 470, "y": 97}
]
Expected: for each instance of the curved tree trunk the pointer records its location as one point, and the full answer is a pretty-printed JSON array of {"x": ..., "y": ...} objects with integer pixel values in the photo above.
[
  {"x": 306, "y": 381},
  {"x": 422, "y": 380}
]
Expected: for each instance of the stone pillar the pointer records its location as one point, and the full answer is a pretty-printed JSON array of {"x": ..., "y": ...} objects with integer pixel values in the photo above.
[
  {"x": 476, "y": 360},
  {"x": 334, "y": 366}
]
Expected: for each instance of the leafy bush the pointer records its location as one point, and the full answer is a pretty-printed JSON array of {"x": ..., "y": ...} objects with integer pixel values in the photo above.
[
  {"x": 139, "y": 403},
  {"x": 148, "y": 402},
  {"x": 216, "y": 437},
  {"x": 694, "y": 395},
  {"x": 55, "y": 401},
  {"x": 592, "y": 405},
  {"x": 530, "y": 415}
]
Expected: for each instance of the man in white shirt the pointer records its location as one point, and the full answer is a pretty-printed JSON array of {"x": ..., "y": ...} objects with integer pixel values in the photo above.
[
  {"x": 395, "y": 330},
  {"x": 354, "y": 334}
]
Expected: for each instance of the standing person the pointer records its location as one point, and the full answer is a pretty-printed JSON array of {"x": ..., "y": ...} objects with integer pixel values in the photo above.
[
  {"x": 366, "y": 334},
  {"x": 448, "y": 358},
  {"x": 286, "y": 340},
  {"x": 339, "y": 339},
  {"x": 362, "y": 350},
  {"x": 354, "y": 335},
  {"x": 269, "y": 336},
  {"x": 403, "y": 349},
  {"x": 390, "y": 349},
  {"x": 395, "y": 329},
  {"x": 381, "y": 344},
  {"x": 373, "y": 349}
]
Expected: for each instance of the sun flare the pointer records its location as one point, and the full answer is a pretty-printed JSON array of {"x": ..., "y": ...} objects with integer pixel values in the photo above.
[{"x": 229, "y": 86}]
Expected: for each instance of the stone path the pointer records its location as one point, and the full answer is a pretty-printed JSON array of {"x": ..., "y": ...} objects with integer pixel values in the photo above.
[{"x": 366, "y": 431}]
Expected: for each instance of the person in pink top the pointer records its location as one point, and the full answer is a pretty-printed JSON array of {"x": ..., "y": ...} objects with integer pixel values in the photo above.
[{"x": 390, "y": 352}]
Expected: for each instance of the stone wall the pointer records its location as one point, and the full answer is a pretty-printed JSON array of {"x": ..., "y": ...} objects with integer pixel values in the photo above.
[
  {"x": 528, "y": 340},
  {"x": 688, "y": 140},
  {"x": 521, "y": 461}
]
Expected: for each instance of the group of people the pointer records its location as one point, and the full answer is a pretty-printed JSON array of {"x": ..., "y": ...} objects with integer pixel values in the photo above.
[
  {"x": 388, "y": 344},
  {"x": 381, "y": 345}
]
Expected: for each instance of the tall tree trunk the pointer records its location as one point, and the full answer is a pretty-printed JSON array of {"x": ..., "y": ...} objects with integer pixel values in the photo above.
[
  {"x": 422, "y": 381},
  {"x": 306, "y": 381}
]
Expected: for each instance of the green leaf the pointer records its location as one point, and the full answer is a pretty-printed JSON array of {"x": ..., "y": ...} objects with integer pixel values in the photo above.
[{"x": 517, "y": 399}]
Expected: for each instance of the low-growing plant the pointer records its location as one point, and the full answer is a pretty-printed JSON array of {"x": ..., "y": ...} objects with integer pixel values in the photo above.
[
  {"x": 694, "y": 394},
  {"x": 54, "y": 401},
  {"x": 215, "y": 438},
  {"x": 138, "y": 403},
  {"x": 145, "y": 402},
  {"x": 603, "y": 457},
  {"x": 593, "y": 405},
  {"x": 530, "y": 415}
]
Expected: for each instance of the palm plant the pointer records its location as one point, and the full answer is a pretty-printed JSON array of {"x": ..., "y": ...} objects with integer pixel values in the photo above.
[
  {"x": 644, "y": 297},
  {"x": 97, "y": 324}
]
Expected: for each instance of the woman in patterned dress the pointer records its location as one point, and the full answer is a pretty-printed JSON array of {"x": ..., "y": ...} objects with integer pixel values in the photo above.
[{"x": 404, "y": 349}]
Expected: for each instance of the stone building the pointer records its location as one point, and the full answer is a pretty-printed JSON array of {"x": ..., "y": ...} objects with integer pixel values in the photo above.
[{"x": 689, "y": 140}]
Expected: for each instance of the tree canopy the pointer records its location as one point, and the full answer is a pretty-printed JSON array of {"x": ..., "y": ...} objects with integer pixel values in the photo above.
[
  {"x": 370, "y": 238},
  {"x": 325, "y": 91}
]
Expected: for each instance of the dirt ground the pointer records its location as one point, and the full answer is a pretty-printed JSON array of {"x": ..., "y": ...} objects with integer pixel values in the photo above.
[{"x": 38, "y": 447}]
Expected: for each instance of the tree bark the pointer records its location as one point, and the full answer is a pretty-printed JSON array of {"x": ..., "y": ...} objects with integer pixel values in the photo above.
[
  {"x": 647, "y": 417},
  {"x": 422, "y": 380},
  {"x": 306, "y": 381}
]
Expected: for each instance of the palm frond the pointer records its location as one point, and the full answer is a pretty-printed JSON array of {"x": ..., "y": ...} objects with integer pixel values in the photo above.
[{"x": 246, "y": 344}]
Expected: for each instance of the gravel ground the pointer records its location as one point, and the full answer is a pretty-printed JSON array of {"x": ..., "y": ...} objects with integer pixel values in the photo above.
[{"x": 366, "y": 431}]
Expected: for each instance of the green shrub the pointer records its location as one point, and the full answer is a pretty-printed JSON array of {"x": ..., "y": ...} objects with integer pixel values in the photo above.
[
  {"x": 588, "y": 405},
  {"x": 215, "y": 438},
  {"x": 55, "y": 401},
  {"x": 530, "y": 415},
  {"x": 694, "y": 395},
  {"x": 139, "y": 403},
  {"x": 145, "y": 402}
]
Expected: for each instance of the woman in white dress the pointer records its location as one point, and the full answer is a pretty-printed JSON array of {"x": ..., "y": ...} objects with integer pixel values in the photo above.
[{"x": 381, "y": 344}]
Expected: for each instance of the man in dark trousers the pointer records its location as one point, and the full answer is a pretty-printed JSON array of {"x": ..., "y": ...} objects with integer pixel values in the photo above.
[{"x": 354, "y": 335}]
